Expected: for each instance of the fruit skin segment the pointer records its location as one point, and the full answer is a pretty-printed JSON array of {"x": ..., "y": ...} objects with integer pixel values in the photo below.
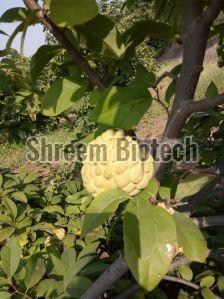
[{"x": 131, "y": 174}]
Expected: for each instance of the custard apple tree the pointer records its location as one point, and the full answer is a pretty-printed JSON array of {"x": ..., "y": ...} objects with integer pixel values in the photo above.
[{"x": 153, "y": 202}]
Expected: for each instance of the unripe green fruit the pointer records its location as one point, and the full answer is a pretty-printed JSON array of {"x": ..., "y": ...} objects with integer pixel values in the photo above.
[{"x": 132, "y": 175}]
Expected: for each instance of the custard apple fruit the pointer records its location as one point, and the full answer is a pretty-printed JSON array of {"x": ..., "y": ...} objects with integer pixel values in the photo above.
[{"x": 102, "y": 171}]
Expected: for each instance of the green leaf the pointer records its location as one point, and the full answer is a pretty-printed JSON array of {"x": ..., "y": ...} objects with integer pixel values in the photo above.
[
  {"x": 78, "y": 286},
  {"x": 5, "y": 219},
  {"x": 30, "y": 20},
  {"x": 61, "y": 95},
  {"x": 85, "y": 257},
  {"x": 190, "y": 238},
  {"x": 137, "y": 33},
  {"x": 68, "y": 257},
  {"x": 168, "y": 187},
  {"x": 72, "y": 210},
  {"x": 24, "y": 92},
  {"x": 35, "y": 269},
  {"x": 46, "y": 285},
  {"x": 3, "y": 32},
  {"x": 5, "y": 233},
  {"x": 32, "y": 176},
  {"x": 208, "y": 294},
  {"x": 22, "y": 173},
  {"x": 72, "y": 186},
  {"x": 150, "y": 191},
  {"x": 101, "y": 35},
  {"x": 157, "y": 30},
  {"x": 102, "y": 207},
  {"x": 99, "y": 131},
  {"x": 15, "y": 14},
  {"x": 5, "y": 295},
  {"x": 95, "y": 95},
  {"x": 20, "y": 196},
  {"x": 59, "y": 266},
  {"x": 71, "y": 12},
  {"x": 149, "y": 237},
  {"x": 206, "y": 273},
  {"x": 94, "y": 269},
  {"x": 185, "y": 272},
  {"x": 88, "y": 250},
  {"x": 123, "y": 107},
  {"x": 192, "y": 184},
  {"x": 11, "y": 207},
  {"x": 182, "y": 295},
  {"x": 207, "y": 281},
  {"x": 44, "y": 226},
  {"x": 73, "y": 199},
  {"x": 54, "y": 209},
  {"x": 10, "y": 256},
  {"x": 40, "y": 59},
  {"x": 170, "y": 91},
  {"x": 26, "y": 222},
  {"x": 18, "y": 29},
  {"x": 212, "y": 90}
]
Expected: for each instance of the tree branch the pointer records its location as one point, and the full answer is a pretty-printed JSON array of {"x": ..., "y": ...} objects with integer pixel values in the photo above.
[
  {"x": 212, "y": 11},
  {"x": 208, "y": 103},
  {"x": 112, "y": 274},
  {"x": 59, "y": 35},
  {"x": 196, "y": 28}
]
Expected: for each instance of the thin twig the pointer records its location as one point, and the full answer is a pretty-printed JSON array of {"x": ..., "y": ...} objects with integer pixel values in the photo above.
[
  {"x": 182, "y": 281},
  {"x": 159, "y": 100},
  {"x": 163, "y": 76}
]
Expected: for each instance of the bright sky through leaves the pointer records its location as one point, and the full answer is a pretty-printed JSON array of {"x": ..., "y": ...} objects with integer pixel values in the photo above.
[{"x": 34, "y": 38}]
